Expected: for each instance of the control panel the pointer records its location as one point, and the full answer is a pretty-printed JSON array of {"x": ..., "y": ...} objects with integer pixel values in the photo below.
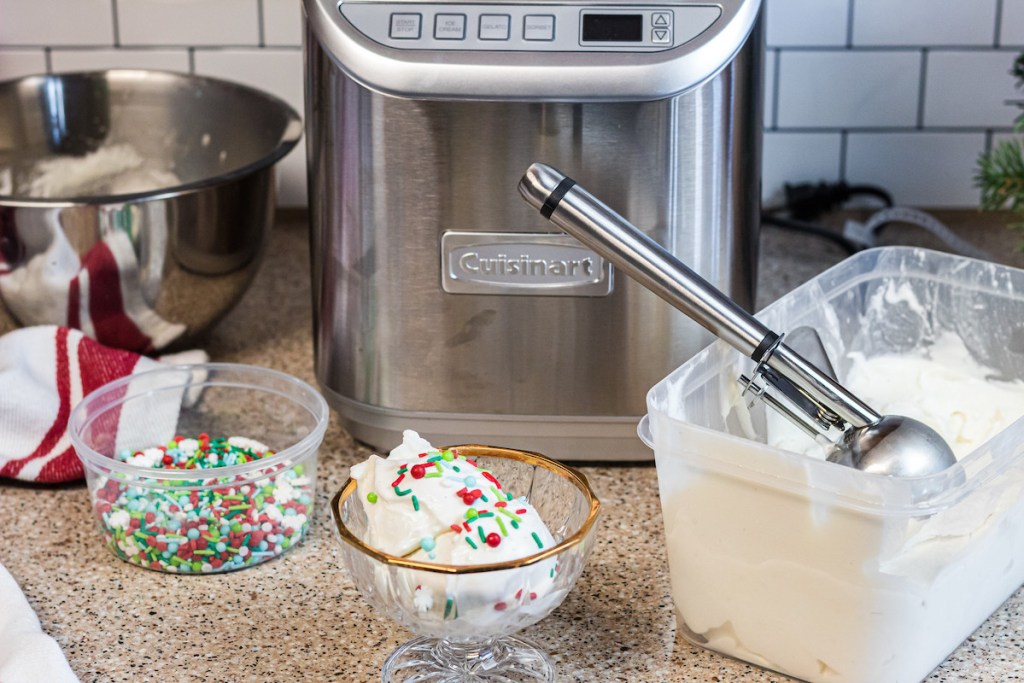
[{"x": 555, "y": 28}]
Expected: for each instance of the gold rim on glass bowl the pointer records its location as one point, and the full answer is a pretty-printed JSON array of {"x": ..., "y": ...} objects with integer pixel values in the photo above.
[{"x": 578, "y": 479}]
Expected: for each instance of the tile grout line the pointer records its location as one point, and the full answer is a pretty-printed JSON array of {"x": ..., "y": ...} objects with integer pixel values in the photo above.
[
  {"x": 261, "y": 17},
  {"x": 849, "y": 24},
  {"x": 776, "y": 89},
  {"x": 922, "y": 88},
  {"x": 116, "y": 23},
  {"x": 998, "y": 23}
]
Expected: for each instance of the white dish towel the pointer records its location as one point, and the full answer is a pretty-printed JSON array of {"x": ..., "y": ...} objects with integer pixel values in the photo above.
[{"x": 27, "y": 655}]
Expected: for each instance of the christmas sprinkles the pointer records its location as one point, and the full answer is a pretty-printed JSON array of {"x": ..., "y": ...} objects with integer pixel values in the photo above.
[{"x": 217, "y": 528}]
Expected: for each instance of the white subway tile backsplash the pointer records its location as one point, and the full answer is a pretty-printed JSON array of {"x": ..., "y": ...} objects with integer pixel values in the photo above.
[
  {"x": 188, "y": 22},
  {"x": 1012, "y": 23},
  {"x": 970, "y": 88},
  {"x": 806, "y": 23},
  {"x": 924, "y": 22},
  {"x": 18, "y": 63},
  {"x": 844, "y": 96},
  {"x": 278, "y": 72},
  {"x": 848, "y": 89},
  {"x": 798, "y": 158},
  {"x": 63, "y": 60},
  {"x": 918, "y": 168},
  {"x": 56, "y": 22},
  {"x": 282, "y": 22}
]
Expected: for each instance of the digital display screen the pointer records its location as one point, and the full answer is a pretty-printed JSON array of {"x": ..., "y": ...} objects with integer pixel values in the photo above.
[{"x": 613, "y": 28}]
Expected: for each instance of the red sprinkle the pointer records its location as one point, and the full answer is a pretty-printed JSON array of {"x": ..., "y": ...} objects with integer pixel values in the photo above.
[
  {"x": 456, "y": 528},
  {"x": 418, "y": 471},
  {"x": 468, "y": 499},
  {"x": 490, "y": 477},
  {"x": 493, "y": 540},
  {"x": 500, "y": 606},
  {"x": 398, "y": 481},
  {"x": 500, "y": 504},
  {"x": 521, "y": 512}
]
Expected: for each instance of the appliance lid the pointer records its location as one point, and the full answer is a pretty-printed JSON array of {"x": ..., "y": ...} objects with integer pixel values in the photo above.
[{"x": 536, "y": 51}]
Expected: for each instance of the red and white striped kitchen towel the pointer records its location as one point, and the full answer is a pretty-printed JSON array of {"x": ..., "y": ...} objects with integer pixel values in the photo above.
[
  {"x": 104, "y": 294},
  {"x": 44, "y": 372}
]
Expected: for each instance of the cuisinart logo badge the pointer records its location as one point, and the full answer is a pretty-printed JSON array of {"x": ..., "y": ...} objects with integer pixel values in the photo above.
[{"x": 525, "y": 264}]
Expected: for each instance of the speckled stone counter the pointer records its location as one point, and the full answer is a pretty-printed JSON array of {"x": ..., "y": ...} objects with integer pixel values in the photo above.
[{"x": 299, "y": 618}]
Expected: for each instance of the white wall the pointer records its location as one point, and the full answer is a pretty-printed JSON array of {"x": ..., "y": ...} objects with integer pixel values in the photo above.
[{"x": 900, "y": 93}]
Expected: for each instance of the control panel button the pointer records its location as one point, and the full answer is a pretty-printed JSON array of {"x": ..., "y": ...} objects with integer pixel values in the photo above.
[
  {"x": 495, "y": 26},
  {"x": 661, "y": 19},
  {"x": 661, "y": 36},
  {"x": 539, "y": 27},
  {"x": 405, "y": 26},
  {"x": 450, "y": 26}
]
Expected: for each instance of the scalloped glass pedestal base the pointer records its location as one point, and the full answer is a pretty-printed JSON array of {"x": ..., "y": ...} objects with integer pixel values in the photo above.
[{"x": 508, "y": 660}]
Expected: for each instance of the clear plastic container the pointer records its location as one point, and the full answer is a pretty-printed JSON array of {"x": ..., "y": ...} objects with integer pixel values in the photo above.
[
  {"x": 247, "y": 509},
  {"x": 820, "y": 571}
]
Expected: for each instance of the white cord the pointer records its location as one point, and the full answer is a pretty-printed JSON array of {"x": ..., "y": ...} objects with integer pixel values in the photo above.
[{"x": 864, "y": 234}]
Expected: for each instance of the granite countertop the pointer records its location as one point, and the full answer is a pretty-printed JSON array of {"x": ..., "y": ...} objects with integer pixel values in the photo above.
[{"x": 300, "y": 618}]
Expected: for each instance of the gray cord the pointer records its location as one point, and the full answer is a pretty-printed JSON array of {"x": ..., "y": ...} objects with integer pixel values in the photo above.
[{"x": 864, "y": 234}]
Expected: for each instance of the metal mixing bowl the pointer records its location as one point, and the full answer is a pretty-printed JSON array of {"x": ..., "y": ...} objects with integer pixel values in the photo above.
[{"x": 134, "y": 205}]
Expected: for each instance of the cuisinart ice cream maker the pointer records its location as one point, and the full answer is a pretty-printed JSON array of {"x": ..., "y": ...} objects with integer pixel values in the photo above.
[{"x": 442, "y": 301}]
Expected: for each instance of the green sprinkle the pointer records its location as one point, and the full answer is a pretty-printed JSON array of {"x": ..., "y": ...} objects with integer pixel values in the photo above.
[
  {"x": 513, "y": 516},
  {"x": 483, "y": 536},
  {"x": 434, "y": 459},
  {"x": 238, "y": 507},
  {"x": 403, "y": 493},
  {"x": 431, "y": 475},
  {"x": 415, "y": 504},
  {"x": 471, "y": 513},
  {"x": 371, "y": 497},
  {"x": 501, "y": 525},
  {"x": 497, "y": 494},
  {"x": 484, "y": 498},
  {"x": 515, "y": 525},
  {"x": 456, "y": 468},
  {"x": 508, "y": 497},
  {"x": 470, "y": 542},
  {"x": 448, "y": 455},
  {"x": 536, "y": 539},
  {"x": 486, "y": 514},
  {"x": 202, "y": 552}
]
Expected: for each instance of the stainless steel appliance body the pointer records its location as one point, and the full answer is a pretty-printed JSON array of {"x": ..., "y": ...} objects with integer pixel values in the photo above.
[{"x": 442, "y": 302}]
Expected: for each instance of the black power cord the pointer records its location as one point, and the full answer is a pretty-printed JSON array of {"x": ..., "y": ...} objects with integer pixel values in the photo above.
[{"x": 806, "y": 202}]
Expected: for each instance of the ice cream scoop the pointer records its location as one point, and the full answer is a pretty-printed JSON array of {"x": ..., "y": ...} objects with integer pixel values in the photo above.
[{"x": 882, "y": 444}]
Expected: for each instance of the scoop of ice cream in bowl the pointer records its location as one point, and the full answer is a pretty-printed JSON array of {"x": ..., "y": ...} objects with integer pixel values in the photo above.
[{"x": 465, "y": 546}]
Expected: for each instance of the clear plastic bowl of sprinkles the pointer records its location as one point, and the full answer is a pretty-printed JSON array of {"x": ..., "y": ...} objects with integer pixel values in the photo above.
[
  {"x": 201, "y": 469},
  {"x": 466, "y": 616}
]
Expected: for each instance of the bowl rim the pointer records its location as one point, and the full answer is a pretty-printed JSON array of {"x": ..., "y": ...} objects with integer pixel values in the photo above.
[
  {"x": 290, "y": 135},
  {"x": 150, "y": 476},
  {"x": 576, "y": 477}
]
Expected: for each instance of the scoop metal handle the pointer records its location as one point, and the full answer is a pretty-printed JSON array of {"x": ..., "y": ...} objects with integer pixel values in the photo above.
[{"x": 586, "y": 218}]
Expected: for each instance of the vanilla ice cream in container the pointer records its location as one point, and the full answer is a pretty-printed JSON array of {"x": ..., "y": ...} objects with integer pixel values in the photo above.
[{"x": 823, "y": 572}]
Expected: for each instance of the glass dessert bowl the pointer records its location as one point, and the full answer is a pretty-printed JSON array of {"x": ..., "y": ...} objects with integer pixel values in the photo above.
[{"x": 465, "y": 615}]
